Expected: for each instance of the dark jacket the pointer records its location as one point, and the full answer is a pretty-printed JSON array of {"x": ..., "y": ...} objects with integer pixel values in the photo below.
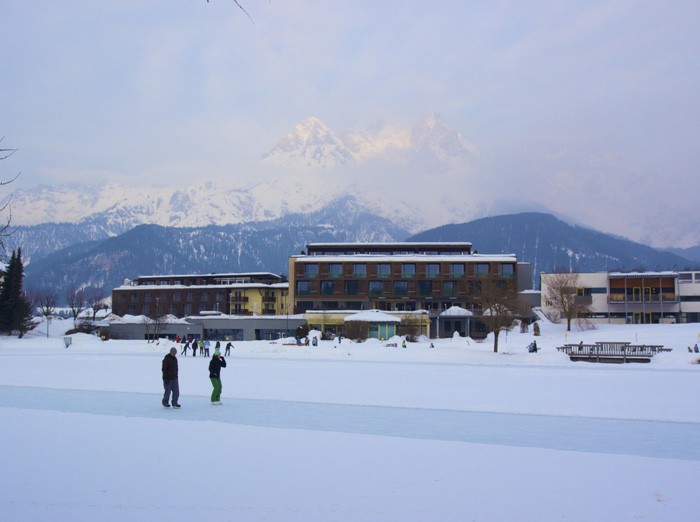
[
  {"x": 169, "y": 368},
  {"x": 215, "y": 366}
]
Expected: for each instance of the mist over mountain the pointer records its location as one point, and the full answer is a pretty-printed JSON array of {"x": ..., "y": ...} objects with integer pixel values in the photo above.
[
  {"x": 420, "y": 176},
  {"x": 550, "y": 244},
  {"x": 380, "y": 183},
  {"x": 312, "y": 166}
]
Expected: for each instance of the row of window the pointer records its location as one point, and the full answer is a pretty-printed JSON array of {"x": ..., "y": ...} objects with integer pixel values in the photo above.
[
  {"x": 406, "y": 270},
  {"x": 397, "y": 288},
  {"x": 177, "y": 297}
]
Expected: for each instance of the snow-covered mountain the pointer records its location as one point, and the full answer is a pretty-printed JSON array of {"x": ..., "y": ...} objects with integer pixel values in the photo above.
[
  {"x": 315, "y": 167},
  {"x": 310, "y": 144},
  {"x": 313, "y": 144}
]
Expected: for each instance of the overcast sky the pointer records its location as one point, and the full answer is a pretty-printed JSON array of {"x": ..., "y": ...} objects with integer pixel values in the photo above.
[{"x": 560, "y": 97}]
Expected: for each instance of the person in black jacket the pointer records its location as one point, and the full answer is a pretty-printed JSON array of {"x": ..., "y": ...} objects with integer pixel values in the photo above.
[
  {"x": 217, "y": 362},
  {"x": 170, "y": 382}
]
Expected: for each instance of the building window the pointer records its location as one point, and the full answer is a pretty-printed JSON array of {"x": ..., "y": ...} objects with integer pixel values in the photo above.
[
  {"x": 384, "y": 271},
  {"x": 189, "y": 297},
  {"x": 145, "y": 309},
  {"x": 303, "y": 288},
  {"x": 147, "y": 298},
  {"x": 507, "y": 271},
  {"x": 176, "y": 297},
  {"x": 327, "y": 287},
  {"x": 432, "y": 270},
  {"x": 376, "y": 288},
  {"x": 449, "y": 288},
  {"x": 425, "y": 287},
  {"x": 204, "y": 296},
  {"x": 408, "y": 270},
  {"x": 352, "y": 287},
  {"x": 685, "y": 278},
  {"x": 481, "y": 269},
  {"x": 188, "y": 309},
  {"x": 457, "y": 270},
  {"x": 359, "y": 270},
  {"x": 311, "y": 270},
  {"x": 335, "y": 270},
  {"x": 400, "y": 288}
]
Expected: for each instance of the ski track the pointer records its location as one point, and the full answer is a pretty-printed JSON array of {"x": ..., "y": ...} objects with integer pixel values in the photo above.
[{"x": 675, "y": 440}]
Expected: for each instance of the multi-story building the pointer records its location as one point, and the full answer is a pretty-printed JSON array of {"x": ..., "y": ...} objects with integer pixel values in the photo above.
[
  {"x": 392, "y": 276},
  {"x": 251, "y": 293},
  {"x": 635, "y": 297}
]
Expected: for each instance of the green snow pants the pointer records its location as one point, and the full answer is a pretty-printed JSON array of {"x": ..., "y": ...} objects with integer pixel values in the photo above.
[{"x": 216, "y": 393}]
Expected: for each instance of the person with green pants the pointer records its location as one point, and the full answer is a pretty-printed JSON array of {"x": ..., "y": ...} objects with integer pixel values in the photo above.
[{"x": 217, "y": 362}]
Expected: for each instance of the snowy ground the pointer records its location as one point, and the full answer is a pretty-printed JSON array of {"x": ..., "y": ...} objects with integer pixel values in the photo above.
[{"x": 352, "y": 432}]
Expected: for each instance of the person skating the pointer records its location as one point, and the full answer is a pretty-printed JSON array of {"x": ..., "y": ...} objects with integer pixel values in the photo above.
[
  {"x": 170, "y": 379},
  {"x": 228, "y": 348},
  {"x": 217, "y": 362}
]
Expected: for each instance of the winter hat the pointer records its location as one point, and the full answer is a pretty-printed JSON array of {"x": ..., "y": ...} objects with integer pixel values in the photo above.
[
  {"x": 217, "y": 352},
  {"x": 173, "y": 350}
]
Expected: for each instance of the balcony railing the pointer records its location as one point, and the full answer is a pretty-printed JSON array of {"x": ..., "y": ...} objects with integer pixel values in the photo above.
[{"x": 649, "y": 299}]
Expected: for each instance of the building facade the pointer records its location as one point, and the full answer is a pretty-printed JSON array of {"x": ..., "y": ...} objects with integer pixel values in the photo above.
[
  {"x": 392, "y": 276},
  {"x": 252, "y": 293},
  {"x": 635, "y": 297}
]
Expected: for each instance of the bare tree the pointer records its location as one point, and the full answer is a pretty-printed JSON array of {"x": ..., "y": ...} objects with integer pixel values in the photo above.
[
  {"x": 45, "y": 300},
  {"x": 357, "y": 330},
  {"x": 498, "y": 299},
  {"x": 561, "y": 293},
  {"x": 410, "y": 327},
  {"x": 5, "y": 205},
  {"x": 76, "y": 302},
  {"x": 95, "y": 300},
  {"x": 242, "y": 9}
]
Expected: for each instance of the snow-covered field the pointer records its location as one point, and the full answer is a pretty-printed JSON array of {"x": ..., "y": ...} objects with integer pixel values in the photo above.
[{"x": 352, "y": 432}]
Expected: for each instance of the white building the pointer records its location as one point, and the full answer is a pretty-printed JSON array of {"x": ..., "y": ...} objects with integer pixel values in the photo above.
[{"x": 635, "y": 297}]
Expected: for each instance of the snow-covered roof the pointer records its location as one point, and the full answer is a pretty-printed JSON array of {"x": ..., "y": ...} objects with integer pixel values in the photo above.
[
  {"x": 140, "y": 319},
  {"x": 213, "y": 275},
  {"x": 456, "y": 311},
  {"x": 208, "y": 287},
  {"x": 664, "y": 273},
  {"x": 391, "y": 244},
  {"x": 373, "y": 316},
  {"x": 388, "y": 258}
]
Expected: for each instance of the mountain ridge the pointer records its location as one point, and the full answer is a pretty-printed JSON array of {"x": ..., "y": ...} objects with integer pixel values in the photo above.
[{"x": 543, "y": 240}]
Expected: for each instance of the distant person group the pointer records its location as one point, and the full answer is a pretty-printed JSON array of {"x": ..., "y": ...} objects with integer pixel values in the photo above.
[
  {"x": 203, "y": 345},
  {"x": 169, "y": 367}
]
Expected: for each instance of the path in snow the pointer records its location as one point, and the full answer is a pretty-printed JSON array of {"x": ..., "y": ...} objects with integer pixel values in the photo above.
[{"x": 675, "y": 440}]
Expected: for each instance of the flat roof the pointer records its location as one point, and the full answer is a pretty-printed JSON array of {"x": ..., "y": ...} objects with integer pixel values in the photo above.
[
  {"x": 396, "y": 244},
  {"x": 473, "y": 258},
  {"x": 225, "y": 274}
]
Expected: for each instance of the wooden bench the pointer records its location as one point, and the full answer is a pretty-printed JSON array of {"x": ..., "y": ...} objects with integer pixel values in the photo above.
[{"x": 612, "y": 352}]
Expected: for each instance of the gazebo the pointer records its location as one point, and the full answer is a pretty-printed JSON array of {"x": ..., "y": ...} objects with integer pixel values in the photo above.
[
  {"x": 381, "y": 325},
  {"x": 454, "y": 319}
]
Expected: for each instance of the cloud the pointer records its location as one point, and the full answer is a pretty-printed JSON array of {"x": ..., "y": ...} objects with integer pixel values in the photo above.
[{"x": 168, "y": 89}]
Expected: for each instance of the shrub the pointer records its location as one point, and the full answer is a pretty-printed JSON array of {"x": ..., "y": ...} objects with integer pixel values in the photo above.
[{"x": 357, "y": 330}]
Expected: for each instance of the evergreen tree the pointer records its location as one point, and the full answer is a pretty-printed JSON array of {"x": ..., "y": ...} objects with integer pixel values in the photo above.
[
  {"x": 24, "y": 316},
  {"x": 6, "y": 295},
  {"x": 15, "y": 308}
]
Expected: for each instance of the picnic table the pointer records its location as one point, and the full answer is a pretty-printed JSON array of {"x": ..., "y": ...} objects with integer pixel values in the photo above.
[{"x": 612, "y": 351}]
